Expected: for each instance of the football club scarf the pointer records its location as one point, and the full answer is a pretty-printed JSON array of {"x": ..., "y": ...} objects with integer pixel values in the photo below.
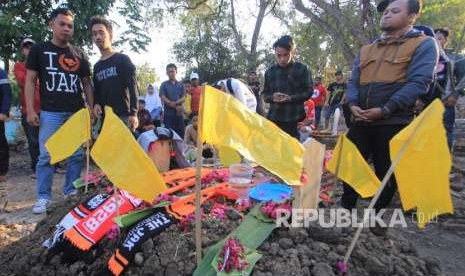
[
  {"x": 156, "y": 223},
  {"x": 91, "y": 229},
  {"x": 136, "y": 236},
  {"x": 73, "y": 217}
]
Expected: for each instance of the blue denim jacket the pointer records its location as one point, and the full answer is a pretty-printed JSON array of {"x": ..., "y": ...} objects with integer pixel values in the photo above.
[{"x": 401, "y": 90}]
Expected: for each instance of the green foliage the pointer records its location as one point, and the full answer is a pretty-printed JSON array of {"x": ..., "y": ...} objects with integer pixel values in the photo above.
[
  {"x": 138, "y": 22},
  {"x": 311, "y": 48},
  {"x": 29, "y": 18},
  {"x": 319, "y": 49},
  {"x": 145, "y": 75},
  {"x": 18, "y": 19},
  {"x": 448, "y": 14}
]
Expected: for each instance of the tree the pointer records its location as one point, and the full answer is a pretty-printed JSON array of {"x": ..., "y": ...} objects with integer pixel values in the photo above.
[
  {"x": 312, "y": 46},
  {"x": 145, "y": 75},
  {"x": 29, "y": 18},
  {"x": 251, "y": 55},
  {"x": 208, "y": 46},
  {"x": 16, "y": 20},
  {"x": 448, "y": 14},
  {"x": 215, "y": 39},
  {"x": 350, "y": 24}
]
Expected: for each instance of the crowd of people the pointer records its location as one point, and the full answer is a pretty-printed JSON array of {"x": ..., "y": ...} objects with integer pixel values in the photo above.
[{"x": 394, "y": 76}]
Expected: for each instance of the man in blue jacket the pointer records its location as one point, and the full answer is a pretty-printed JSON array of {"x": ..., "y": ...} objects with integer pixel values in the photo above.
[
  {"x": 388, "y": 77},
  {"x": 5, "y": 101},
  {"x": 449, "y": 82}
]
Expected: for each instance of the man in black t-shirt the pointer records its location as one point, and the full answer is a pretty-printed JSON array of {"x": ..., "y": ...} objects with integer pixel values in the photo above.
[
  {"x": 114, "y": 76},
  {"x": 337, "y": 91},
  {"x": 64, "y": 74}
]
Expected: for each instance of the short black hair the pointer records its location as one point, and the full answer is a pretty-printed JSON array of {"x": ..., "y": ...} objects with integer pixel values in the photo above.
[
  {"x": 171, "y": 65},
  {"x": 142, "y": 101},
  {"x": 94, "y": 20},
  {"x": 217, "y": 85},
  {"x": 285, "y": 42},
  {"x": 442, "y": 31},
  {"x": 62, "y": 11},
  {"x": 338, "y": 73},
  {"x": 414, "y": 6},
  {"x": 186, "y": 81},
  {"x": 317, "y": 78}
]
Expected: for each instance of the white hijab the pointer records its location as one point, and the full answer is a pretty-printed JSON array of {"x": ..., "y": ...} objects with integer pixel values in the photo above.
[{"x": 152, "y": 101}]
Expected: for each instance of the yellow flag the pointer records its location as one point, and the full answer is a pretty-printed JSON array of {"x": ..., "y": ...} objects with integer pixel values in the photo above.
[
  {"x": 423, "y": 171},
  {"x": 124, "y": 162},
  {"x": 348, "y": 164},
  {"x": 69, "y": 137},
  {"x": 224, "y": 121},
  {"x": 228, "y": 156}
]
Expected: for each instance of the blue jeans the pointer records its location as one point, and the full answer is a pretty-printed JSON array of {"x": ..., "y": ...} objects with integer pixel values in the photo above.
[
  {"x": 331, "y": 109},
  {"x": 449, "y": 121},
  {"x": 50, "y": 122}
]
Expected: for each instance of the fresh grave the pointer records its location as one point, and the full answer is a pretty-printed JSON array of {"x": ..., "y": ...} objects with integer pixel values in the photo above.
[{"x": 300, "y": 251}]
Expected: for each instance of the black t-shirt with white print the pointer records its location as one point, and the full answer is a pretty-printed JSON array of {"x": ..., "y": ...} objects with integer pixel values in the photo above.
[
  {"x": 60, "y": 71},
  {"x": 115, "y": 84}
]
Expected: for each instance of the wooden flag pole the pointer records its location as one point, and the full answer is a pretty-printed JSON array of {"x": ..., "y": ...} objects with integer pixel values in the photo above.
[
  {"x": 198, "y": 184},
  {"x": 115, "y": 194},
  {"x": 86, "y": 177},
  {"x": 307, "y": 196},
  {"x": 339, "y": 156},
  {"x": 386, "y": 178}
]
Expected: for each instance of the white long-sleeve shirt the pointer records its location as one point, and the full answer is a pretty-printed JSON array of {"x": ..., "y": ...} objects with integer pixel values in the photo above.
[{"x": 241, "y": 91}]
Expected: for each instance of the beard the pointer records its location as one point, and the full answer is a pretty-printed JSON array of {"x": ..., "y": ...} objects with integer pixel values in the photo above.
[{"x": 386, "y": 28}]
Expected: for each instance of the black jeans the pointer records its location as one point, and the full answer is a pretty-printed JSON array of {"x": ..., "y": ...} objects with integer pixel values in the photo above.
[
  {"x": 176, "y": 123},
  {"x": 347, "y": 115},
  {"x": 32, "y": 135},
  {"x": 289, "y": 127},
  {"x": 4, "y": 150},
  {"x": 373, "y": 143}
]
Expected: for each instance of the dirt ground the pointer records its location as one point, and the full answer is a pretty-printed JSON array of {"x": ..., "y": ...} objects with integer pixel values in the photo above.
[{"x": 436, "y": 250}]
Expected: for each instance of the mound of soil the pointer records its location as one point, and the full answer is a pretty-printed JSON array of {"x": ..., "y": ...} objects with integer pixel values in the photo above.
[{"x": 288, "y": 251}]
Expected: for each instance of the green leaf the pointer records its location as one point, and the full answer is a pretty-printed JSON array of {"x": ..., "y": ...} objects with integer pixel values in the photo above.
[
  {"x": 131, "y": 218},
  {"x": 78, "y": 183}
]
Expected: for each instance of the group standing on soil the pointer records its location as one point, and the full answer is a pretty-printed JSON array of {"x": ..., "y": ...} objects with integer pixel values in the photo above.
[{"x": 397, "y": 74}]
